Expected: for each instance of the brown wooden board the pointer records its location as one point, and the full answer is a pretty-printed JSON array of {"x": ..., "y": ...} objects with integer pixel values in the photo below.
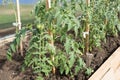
[
  {"x": 110, "y": 69},
  {"x": 10, "y": 38},
  {"x": 7, "y": 39}
]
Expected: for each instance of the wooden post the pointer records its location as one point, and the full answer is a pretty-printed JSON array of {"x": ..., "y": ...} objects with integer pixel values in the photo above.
[
  {"x": 48, "y": 5},
  {"x": 18, "y": 15},
  {"x": 87, "y": 28},
  {"x": 86, "y": 34},
  {"x": 19, "y": 25}
]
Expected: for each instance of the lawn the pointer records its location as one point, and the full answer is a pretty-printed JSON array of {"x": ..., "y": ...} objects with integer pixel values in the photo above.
[{"x": 7, "y": 15}]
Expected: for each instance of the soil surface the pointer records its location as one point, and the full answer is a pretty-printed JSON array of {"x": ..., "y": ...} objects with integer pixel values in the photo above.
[{"x": 11, "y": 70}]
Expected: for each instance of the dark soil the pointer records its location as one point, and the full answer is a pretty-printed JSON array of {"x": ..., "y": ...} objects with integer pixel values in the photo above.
[{"x": 11, "y": 70}]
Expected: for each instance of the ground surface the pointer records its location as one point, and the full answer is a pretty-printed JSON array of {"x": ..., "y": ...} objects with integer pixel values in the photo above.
[{"x": 12, "y": 70}]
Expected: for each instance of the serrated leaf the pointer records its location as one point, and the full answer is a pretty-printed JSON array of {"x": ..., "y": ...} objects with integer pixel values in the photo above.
[
  {"x": 67, "y": 45},
  {"x": 17, "y": 40},
  {"x": 67, "y": 69},
  {"x": 74, "y": 46},
  {"x": 81, "y": 63},
  {"x": 9, "y": 56},
  {"x": 50, "y": 62},
  {"x": 70, "y": 26},
  {"x": 51, "y": 48},
  {"x": 12, "y": 46},
  {"x": 77, "y": 69},
  {"x": 23, "y": 31},
  {"x": 59, "y": 20},
  {"x": 40, "y": 78},
  {"x": 61, "y": 70},
  {"x": 36, "y": 53},
  {"x": 118, "y": 27},
  {"x": 35, "y": 45},
  {"x": 72, "y": 60},
  {"x": 57, "y": 14},
  {"x": 76, "y": 30},
  {"x": 89, "y": 71}
]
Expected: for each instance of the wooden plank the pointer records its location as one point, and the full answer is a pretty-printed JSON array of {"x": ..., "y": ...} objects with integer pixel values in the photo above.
[
  {"x": 111, "y": 63},
  {"x": 10, "y": 38},
  {"x": 6, "y": 39},
  {"x": 109, "y": 75},
  {"x": 117, "y": 73}
]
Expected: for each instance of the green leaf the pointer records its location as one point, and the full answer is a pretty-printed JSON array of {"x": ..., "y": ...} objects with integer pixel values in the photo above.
[
  {"x": 50, "y": 62},
  {"x": 36, "y": 53},
  {"x": 9, "y": 55},
  {"x": 118, "y": 27},
  {"x": 77, "y": 69},
  {"x": 61, "y": 70},
  {"x": 59, "y": 20},
  {"x": 23, "y": 31},
  {"x": 72, "y": 60},
  {"x": 70, "y": 26},
  {"x": 76, "y": 30},
  {"x": 17, "y": 40},
  {"x": 67, "y": 45},
  {"x": 13, "y": 47},
  {"x": 46, "y": 70},
  {"x": 51, "y": 48},
  {"x": 57, "y": 14},
  {"x": 89, "y": 71},
  {"x": 40, "y": 78},
  {"x": 67, "y": 69},
  {"x": 81, "y": 62}
]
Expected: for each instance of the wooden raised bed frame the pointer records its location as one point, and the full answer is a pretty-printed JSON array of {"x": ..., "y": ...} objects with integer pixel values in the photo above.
[{"x": 110, "y": 69}]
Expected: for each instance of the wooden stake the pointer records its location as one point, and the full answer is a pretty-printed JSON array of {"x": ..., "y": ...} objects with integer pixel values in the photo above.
[
  {"x": 19, "y": 25},
  {"x": 88, "y": 2},
  {"x": 87, "y": 28},
  {"x": 48, "y": 5},
  {"x": 87, "y": 38},
  {"x": 18, "y": 14}
]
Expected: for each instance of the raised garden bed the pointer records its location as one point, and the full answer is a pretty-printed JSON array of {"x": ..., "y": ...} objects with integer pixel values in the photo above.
[
  {"x": 12, "y": 70},
  {"x": 70, "y": 40}
]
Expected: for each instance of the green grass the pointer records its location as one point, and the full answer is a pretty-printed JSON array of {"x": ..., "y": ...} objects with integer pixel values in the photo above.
[
  {"x": 7, "y": 15},
  {"x": 6, "y": 19},
  {"x": 8, "y": 25}
]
